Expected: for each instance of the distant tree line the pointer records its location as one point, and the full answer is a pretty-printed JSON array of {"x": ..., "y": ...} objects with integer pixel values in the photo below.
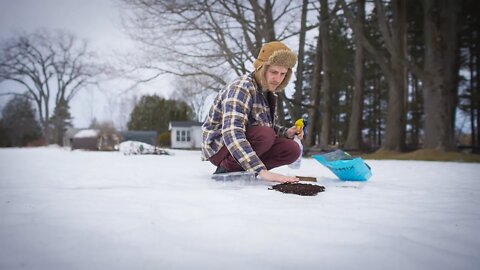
[
  {"x": 50, "y": 67},
  {"x": 19, "y": 125},
  {"x": 392, "y": 75}
]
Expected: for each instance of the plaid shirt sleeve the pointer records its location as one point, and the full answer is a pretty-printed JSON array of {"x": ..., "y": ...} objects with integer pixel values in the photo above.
[
  {"x": 280, "y": 130},
  {"x": 236, "y": 108}
]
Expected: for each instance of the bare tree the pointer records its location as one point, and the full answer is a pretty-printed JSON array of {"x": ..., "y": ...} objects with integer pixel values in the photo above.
[
  {"x": 214, "y": 39},
  {"x": 194, "y": 91},
  {"x": 191, "y": 38},
  {"x": 51, "y": 66},
  {"x": 125, "y": 106}
]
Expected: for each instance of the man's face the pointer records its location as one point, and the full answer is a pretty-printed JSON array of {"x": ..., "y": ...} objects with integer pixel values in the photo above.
[{"x": 275, "y": 76}]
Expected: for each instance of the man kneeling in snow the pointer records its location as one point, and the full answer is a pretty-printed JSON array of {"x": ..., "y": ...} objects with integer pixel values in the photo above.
[{"x": 240, "y": 133}]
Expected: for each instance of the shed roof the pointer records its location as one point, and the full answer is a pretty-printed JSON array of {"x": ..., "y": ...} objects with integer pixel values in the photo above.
[
  {"x": 184, "y": 123},
  {"x": 87, "y": 133}
]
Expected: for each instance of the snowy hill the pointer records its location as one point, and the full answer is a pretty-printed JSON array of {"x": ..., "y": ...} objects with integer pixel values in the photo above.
[{"x": 65, "y": 209}]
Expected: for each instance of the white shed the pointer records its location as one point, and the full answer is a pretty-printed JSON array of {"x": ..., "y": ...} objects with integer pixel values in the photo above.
[{"x": 186, "y": 134}]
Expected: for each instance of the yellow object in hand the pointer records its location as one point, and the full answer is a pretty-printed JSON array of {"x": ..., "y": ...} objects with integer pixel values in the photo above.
[{"x": 299, "y": 125}]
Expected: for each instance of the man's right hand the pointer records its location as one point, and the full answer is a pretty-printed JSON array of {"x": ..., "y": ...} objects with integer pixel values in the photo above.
[{"x": 275, "y": 177}]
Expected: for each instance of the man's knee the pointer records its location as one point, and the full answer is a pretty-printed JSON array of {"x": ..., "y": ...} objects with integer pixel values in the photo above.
[
  {"x": 261, "y": 134},
  {"x": 294, "y": 150}
]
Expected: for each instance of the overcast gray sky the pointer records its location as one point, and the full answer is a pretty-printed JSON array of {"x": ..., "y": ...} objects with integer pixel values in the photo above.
[{"x": 98, "y": 21}]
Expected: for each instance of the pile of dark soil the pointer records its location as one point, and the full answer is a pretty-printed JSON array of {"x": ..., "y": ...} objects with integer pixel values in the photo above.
[{"x": 299, "y": 189}]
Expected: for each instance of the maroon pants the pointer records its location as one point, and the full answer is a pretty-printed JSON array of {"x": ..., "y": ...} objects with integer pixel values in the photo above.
[{"x": 273, "y": 151}]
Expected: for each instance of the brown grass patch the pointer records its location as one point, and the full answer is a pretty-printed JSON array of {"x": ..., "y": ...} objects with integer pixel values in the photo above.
[{"x": 424, "y": 154}]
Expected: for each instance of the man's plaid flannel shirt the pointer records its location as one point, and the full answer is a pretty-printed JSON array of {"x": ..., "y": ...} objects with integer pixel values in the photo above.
[{"x": 239, "y": 105}]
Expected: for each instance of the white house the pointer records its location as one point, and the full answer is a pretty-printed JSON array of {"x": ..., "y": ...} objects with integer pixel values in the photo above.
[{"x": 186, "y": 134}]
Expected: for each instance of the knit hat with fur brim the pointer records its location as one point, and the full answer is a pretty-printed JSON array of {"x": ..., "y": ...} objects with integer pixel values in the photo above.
[{"x": 274, "y": 53}]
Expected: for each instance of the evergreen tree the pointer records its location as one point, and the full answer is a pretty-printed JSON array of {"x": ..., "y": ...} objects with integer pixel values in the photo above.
[
  {"x": 416, "y": 50},
  {"x": 469, "y": 91},
  {"x": 375, "y": 88},
  {"x": 19, "y": 124},
  {"x": 60, "y": 120},
  {"x": 155, "y": 113},
  {"x": 342, "y": 84},
  {"x": 4, "y": 141}
]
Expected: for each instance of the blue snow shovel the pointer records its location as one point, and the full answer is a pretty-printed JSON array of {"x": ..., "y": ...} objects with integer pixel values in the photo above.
[{"x": 344, "y": 166}]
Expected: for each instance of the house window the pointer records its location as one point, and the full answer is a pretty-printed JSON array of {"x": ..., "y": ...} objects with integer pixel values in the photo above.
[{"x": 183, "y": 136}]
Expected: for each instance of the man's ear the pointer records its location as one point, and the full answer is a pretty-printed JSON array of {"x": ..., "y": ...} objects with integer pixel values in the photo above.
[
  {"x": 285, "y": 80},
  {"x": 260, "y": 76}
]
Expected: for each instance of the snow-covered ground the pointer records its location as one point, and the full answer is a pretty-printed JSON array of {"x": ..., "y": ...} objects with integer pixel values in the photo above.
[{"x": 63, "y": 209}]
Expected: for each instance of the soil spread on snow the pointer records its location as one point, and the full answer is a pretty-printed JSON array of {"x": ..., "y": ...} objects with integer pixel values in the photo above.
[{"x": 299, "y": 189}]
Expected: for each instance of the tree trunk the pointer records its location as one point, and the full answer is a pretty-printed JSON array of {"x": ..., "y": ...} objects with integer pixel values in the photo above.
[
  {"x": 269, "y": 35},
  {"x": 355, "y": 125},
  {"x": 47, "y": 132},
  {"x": 471, "y": 66},
  {"x": 441, "y": 66},
  {"x": 416, "y": 113},
  {"x": 314, "y": 111},
  {"x": 397, "y": 76},
  {"x": 325, "y": 133},
  {"x": 298, "y": 97},
  {"x": 378, "y": 109},
  {"x": 476, "y": 95},
  {"x": 269, "y": 22}
]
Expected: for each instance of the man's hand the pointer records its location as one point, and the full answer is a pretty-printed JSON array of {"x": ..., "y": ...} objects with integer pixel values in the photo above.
[
  {"x": 291, "y": 132},
  {"x": 275, "y": 177}
]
